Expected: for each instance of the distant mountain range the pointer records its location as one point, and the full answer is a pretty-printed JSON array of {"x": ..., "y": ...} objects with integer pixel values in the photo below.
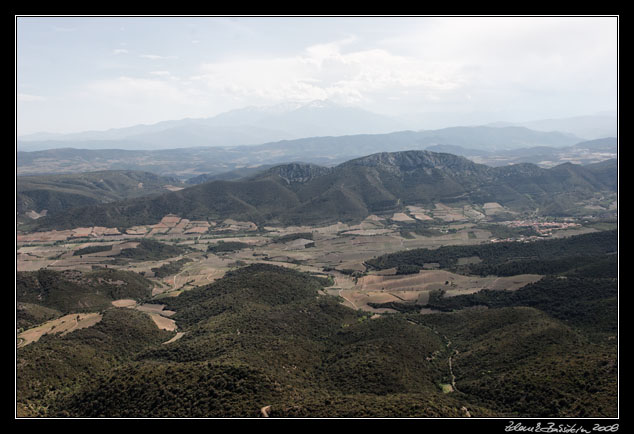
[
  {"x": 379, "y": 183},
  {"x": 290, "y": 121},
  {"x": 330, "y": 150},
  {"x": 588, "y": 127},
  {"x": 588, "y": 152},
  {"x": 247, "y": 126}
]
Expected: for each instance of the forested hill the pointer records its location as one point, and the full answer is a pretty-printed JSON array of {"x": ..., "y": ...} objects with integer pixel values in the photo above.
[
  {"x": 263, "y": 337},
  {"x": 379, "y": 183},
  {"x": 57, "y": 193},
  {"x": 511, "y": 258}
]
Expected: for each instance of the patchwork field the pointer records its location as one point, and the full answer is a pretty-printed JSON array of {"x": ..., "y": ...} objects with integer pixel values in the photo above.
[
  {"x": 416, "y": 288},
  {"x": 64, "y": 325},
  {"x": 337, "y": 250},
  {"x": 162, "y": 322},
  {"x": 156, "y": 312},
  {"x": 163, "y": 319}
]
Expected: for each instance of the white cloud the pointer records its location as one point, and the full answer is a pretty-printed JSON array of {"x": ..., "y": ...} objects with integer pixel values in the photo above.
[
  {"x": 515, "y": 63},
  {"x": 537, "y": 67},
  {"x": 325, "y": 71}
]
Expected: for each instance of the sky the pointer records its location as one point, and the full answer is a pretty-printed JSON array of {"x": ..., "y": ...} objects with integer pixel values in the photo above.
[{"x": 95, "y": 73}]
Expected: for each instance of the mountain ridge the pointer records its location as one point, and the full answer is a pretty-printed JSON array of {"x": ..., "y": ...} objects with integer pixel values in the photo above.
[
  {"x": 55, "y": 193},
  {"x": 240, "y": 127},
  {"x": 589, "y": 126},
  {"x": 195, "y": 134},
  {"x": 328, "y": 150},
  {"x": 378, "y": 183}
]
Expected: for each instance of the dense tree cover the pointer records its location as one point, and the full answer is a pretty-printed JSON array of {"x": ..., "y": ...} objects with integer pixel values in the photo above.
[
  {"x": 377, "y": 183},
  {"x": 227, "y": 246},
  {"x": 508, "y": 258},
  {"x": 598, "y": 266},
  {"x": 407, "y": 269},
  {"x": 263, "y": 335},
  {"x": 205, "y": 389},
  {"x": 549, "y": 348},
  {"x": 28, "y": 315},
  {"x": 57, "y": 193},
  {"x": 580, "y": 286},
  {"x": 74, "y": 291},
  {"x": 262, "y": 284},
  {"x": 150, "y": 250},
  {"x": 588, "y": 304},
  {"x": 520, "y": 360},
  {"x": 58, "y": 365},
  {"x": 92, "y": 249}
]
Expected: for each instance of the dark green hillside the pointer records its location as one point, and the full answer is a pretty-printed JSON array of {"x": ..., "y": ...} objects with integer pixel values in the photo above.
[
  {"x": 549, "y": 348},
  {"x": 417, "y": 176},
  {"x": 510, "y": 258},
  {"x": 92, "y": 249},
  {"x": 203, "y": 389},
  {"x": 146, "y": 250},
  {"x": 383, "y": 356},
  {"x": 73, "y": 291},
  {"x": 258, "y": 283},
  {"x": 150, "y": 250},
  {"x": 251, "y": 200},
  {"x": 262, "y": 336},
  {"x": 305, "y": 194},
  {"x": 28, "y": 315},
  {"x": 59, "y": 365},
  {"x": 580, "y": 286},
  {"x": 56, "y": 193},
  {"x": 294, "y": 173},
  {"x": 522, "y": 362},
  {"x": 604, "y": 171},
  {"x": 228, "y": 246},
  {"x": 232, "y": 175},
  {"x": 590, "y": 305}
]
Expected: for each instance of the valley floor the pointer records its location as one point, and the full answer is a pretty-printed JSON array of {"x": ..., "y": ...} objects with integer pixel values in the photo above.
[{"x": 209, "y": 253}]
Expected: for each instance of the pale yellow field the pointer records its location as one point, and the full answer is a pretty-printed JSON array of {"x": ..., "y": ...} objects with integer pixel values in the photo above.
[
  {"x": 415, "y": 288},
  {"x": 64, "y": 325},
  {"x": 155, "y": 308},
  {"x": 156, "y": 312},
  {"x": 337, "y": 246},
  {"x": 162, "y": 322},
  {"x": 124, "y": 303}
]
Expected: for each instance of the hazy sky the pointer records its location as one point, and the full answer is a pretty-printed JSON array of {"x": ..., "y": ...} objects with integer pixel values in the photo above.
[{"x": 94, "y": 73}]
